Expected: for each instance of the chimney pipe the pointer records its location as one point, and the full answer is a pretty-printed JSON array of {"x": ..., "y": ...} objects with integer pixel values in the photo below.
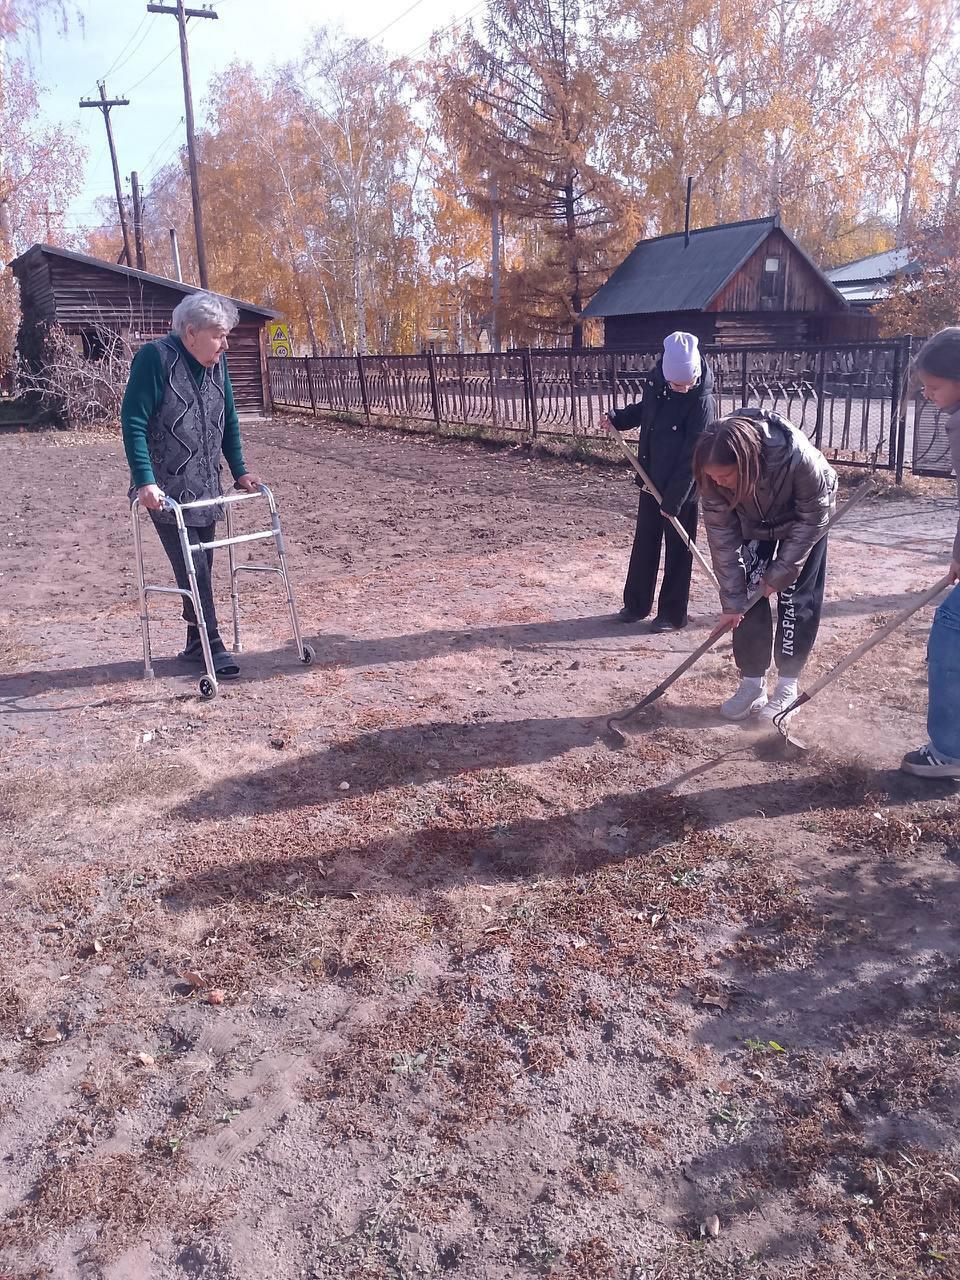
[{"x": 686, "y": 220}]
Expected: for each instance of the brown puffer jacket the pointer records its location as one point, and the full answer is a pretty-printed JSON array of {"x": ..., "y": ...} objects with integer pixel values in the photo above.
[{"x": 793, "y": 503}]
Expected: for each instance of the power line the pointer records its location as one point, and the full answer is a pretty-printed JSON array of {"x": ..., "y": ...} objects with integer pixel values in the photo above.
[
  {"x": 413, "y": 53},
  {"x": 157, "y": 149},
  {"x": 117, "y": 63},
  {"x": 163, "y": 164},
  {"x": 133, "y": 52},
  {"x": 166, "y": 58},
  {"x": 400, "y": 16}
]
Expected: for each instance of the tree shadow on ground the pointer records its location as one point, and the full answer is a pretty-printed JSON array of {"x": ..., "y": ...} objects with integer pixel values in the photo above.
[
  {"x": 333, "y": 650},
  {"x": 865, "y": 1075},
  {"x": 616, "y": 828},
  {"x": 341, "y": 651},
  {"x": 24, "y": 685},
  {"x": 418, "y": 754}
]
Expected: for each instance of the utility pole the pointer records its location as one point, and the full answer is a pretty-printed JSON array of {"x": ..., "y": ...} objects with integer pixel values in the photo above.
[
  {"x": 495, "y": 263},
  {"x": 47, "y": 214},
  {"x": 138, "y": 221},
  {"x": 105, "y": 105},
  {"x": 181, "y": 14}
]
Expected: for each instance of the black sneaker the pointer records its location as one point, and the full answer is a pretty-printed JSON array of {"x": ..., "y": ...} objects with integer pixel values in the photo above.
[
  {"x": 659, "y": 625},
  {"x": 628, "y": 615},
  {"x": 928, "y": 763}
]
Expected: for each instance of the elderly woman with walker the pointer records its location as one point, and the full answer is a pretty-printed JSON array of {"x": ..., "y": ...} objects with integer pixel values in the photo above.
[{"x": 178, "y": 417}]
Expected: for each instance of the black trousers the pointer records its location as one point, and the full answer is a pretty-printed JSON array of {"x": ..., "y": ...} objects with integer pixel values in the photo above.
[
  {"x": 798, "y": 614},
  {"x": 654, "y": 532},
  {"x": 203, "y": 564}
]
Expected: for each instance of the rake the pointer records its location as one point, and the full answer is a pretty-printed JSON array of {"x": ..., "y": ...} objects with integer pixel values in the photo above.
[{"x": 865, "y": 490}]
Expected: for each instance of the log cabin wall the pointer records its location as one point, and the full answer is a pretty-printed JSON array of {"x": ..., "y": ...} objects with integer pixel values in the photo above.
[
  {"x": 630, "y": 332},
  {"x": 795, "y": 286},
  {"x": 82, "y": 296}
]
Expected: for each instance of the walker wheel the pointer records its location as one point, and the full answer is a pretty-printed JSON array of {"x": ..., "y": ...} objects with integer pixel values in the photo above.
[
  {"x": 308, "y": 656},
  {"x": 208, "y": 688}
]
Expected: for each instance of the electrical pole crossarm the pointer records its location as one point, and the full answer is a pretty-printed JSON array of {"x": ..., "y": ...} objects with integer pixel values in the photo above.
[
  {"x": 187, "y": 13},
  {"x": 104, "y": 102}
]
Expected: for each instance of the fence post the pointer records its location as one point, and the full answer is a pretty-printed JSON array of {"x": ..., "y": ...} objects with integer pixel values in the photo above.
[
  {"x": 574, "y": 402},
  {"x": 821, "y": 382},
  {"x": 463, "y": 388},
  {"x": 310, "y": 386},
  {"x": 531, "y": 392},
  {"x": 613, "y": 381},
  {"x": 494, "y": 413},
  {"x": 434, "y": 390},
  {"x": 901, "y": 401},
  {"x": 744, "y": 381},
  {"x": 363, "y": 387}
]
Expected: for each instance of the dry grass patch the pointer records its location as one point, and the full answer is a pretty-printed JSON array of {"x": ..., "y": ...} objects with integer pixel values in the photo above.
[
  {"x": 137, "y": 783},
  {"x": 117, "y": 1198},
  {"x": 16, "y": 653}
]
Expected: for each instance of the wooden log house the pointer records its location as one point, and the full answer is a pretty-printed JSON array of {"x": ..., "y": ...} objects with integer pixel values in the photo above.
[
  {"x": 737, "y": 284},
  {"x": 87, "y": 297}
]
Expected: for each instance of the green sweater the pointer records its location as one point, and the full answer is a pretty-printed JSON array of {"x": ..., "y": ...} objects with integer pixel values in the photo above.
[{"x": 142, "y": 398}]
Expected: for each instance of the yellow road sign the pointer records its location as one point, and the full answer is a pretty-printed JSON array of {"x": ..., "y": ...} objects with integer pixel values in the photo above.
[{"x": 279, "y": 333}]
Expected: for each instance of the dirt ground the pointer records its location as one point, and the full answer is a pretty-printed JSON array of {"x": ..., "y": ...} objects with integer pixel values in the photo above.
[{"x": 390, "y": 967}]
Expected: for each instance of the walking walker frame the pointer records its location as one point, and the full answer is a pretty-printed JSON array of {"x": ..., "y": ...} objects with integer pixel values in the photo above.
[{"x": 208, "y": 682}]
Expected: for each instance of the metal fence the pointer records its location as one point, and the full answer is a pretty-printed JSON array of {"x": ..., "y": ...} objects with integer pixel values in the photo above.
[
  {"x": 931, "y": 446},
  {"x": 850, "y": 398}
]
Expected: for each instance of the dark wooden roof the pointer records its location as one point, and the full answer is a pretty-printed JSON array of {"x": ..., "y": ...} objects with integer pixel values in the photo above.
[
  {"x": 666, "y": 274},
  {"x": 21, "y": 265}
]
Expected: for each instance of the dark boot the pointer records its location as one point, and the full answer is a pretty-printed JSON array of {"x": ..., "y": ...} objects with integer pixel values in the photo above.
[
  {"x": 193, "y": 650},
  {"x": 224, "y": 663}
]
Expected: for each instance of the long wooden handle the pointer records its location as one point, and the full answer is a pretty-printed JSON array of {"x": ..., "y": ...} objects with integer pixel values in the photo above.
[
  {"x": 880, "y": 634},
  {"x": 654, "y": 493}
]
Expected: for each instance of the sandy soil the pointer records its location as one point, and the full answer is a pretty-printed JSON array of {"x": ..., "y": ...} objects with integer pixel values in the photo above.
[{"x": 391, "y": 967}]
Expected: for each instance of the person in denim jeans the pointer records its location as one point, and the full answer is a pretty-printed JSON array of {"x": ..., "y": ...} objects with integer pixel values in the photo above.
[{"x": 937, "y": 368}]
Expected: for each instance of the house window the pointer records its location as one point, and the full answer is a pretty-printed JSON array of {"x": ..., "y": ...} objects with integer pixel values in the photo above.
[{"x": 771, "y": 282}]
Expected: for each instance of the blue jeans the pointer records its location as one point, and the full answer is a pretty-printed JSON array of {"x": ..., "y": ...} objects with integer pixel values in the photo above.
[{"x": 943, "y": 678}]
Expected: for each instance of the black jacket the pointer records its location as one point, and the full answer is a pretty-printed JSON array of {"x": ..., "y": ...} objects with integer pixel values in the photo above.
[{"x": 669, "y": 425}]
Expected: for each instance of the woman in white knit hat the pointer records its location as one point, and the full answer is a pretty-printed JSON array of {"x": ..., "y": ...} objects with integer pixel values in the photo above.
[{"x": 676, "y": 405}]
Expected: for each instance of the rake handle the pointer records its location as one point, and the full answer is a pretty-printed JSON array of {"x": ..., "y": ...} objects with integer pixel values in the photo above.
[
  {"x": 654, "y": 493},
  {"x": 880, "y": 634}
]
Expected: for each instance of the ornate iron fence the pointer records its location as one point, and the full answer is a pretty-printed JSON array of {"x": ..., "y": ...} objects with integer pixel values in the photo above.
[{"x": 849, "y": 398}]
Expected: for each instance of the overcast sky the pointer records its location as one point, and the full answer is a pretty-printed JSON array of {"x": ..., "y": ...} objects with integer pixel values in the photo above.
[{"x": 120, "y": 41}]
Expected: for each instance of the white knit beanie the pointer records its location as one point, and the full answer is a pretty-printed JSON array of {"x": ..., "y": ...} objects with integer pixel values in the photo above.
[{"x": 681, "y": 358}]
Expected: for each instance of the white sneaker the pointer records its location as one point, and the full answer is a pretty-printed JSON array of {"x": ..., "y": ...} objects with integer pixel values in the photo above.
[
  {"x": 785, "y": 693},
  {"x": 749, "y": 700}
]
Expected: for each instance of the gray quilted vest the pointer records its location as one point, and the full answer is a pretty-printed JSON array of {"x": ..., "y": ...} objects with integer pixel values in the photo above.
[{"x": 185, "y": 435}]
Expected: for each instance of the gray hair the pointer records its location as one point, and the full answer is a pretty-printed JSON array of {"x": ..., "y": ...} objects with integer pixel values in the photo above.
[{"x": 204, "y": 311}]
